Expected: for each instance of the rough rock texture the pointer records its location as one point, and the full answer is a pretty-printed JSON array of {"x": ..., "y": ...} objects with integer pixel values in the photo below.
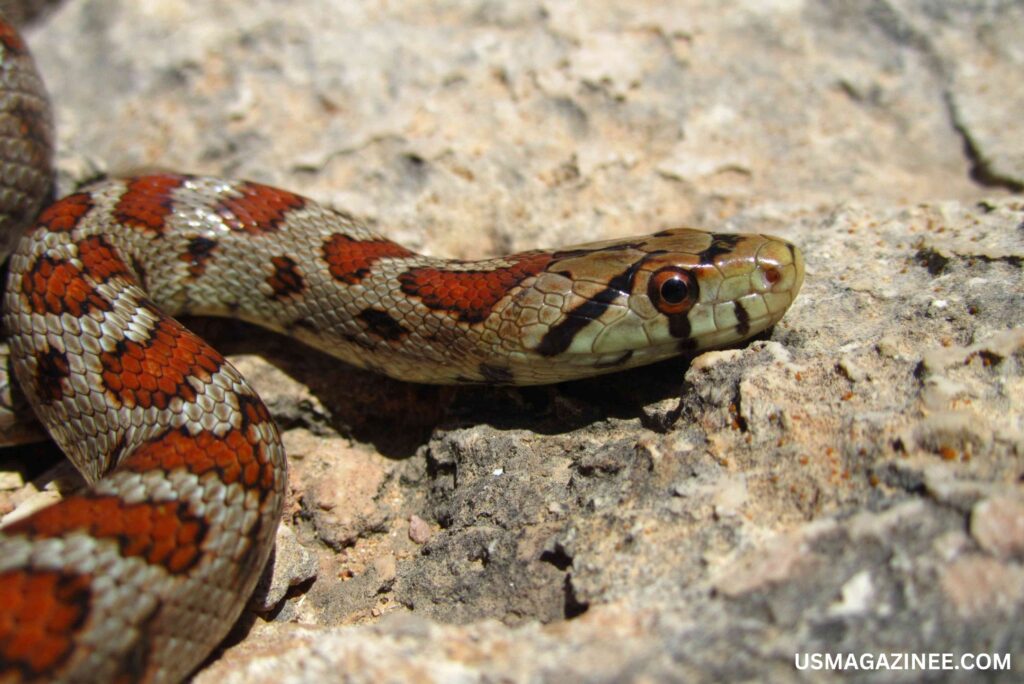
[{"x": 852, "y": 483}]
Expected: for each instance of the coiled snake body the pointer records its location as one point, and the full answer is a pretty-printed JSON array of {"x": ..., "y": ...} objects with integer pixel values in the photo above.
[{"x": 139, "y": 576}]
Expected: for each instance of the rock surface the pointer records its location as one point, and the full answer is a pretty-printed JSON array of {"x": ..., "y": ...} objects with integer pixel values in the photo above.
[{"x": 850, "y": 484}]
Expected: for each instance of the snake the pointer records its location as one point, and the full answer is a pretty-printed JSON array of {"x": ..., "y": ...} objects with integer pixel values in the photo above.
[{"x": 141, "y": 573}]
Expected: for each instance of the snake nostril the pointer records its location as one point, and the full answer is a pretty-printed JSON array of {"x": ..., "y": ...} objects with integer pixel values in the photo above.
[{"x": 772, "y": 275}]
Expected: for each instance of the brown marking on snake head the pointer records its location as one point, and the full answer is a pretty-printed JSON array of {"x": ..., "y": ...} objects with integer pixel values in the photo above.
[
  {"x": 197, "y": 253},
  {"x": 164, "y": 534},
  {"x": 470, "y": 296},
  {"x": 57, "y": 286},
  {"x": 63, "y": 216},
  {"x": 234, "y": 456},
  {"x": 147, "y": 201},
  {"x": 721, "y": 243},
  {"x": 259, "y": 208},
  {"x": 350, "y": 260},
  {"x": 561, "y": 335},
  {"x": 381, "y": 324},
  {"x": 742, "y": 318},
  {"x": 44, "y": 610},
  {"x": 52, "y": 370},
  {"x": 286, "y": 280},
  {"x": 11, "y": 39},
  {"x": 100, "y": 260},
  {"x": 679, "y": 325},
  {"x": 152, "y": 373}
]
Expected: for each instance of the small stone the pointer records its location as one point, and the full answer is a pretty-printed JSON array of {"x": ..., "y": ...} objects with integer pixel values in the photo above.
[
  {"x": 997, "y": 524},
  {"x": 419, "y": 530},
  {"x": 856, "y": 596},
  {"x": 978, "y": 585},
  {"x": 730, "y": 497},
  {"x": 386, "y": 568},
  {"x": 713, "y": 358},
  {"x": 851, "y": 369},
  {"x": 888, "y": 347}
]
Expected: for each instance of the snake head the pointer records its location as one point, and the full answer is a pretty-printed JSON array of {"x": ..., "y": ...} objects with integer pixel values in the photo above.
[
  {"x": 733, "y": 287},
  {"x": 617, "y": 304}
]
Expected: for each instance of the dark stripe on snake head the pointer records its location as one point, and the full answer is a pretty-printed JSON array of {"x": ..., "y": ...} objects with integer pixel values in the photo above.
[
  {"x": 742, "y": 318},
  {"x": 560, "y": 336},
  {"x": 679, "y": 326},
  {"x": 721, "y": 243}
]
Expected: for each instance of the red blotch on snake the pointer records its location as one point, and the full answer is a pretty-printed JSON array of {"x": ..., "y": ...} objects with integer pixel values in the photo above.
[
  {"x": 57, "y": 286},
  {"x": 100, "y": 259},
  {"x": 259, "y": 209},
  {"x": 350, "y": 260},
  {"x": 44, "y": 611},
  {"x": 471, "y": 295},
  {"x": 237, "y": 456},
  {"x": 63, "y": 216},
  {"x": 152, "y": 373},
  {"x": 163, "y": 534},
  {"x": 147, "y": 201}
]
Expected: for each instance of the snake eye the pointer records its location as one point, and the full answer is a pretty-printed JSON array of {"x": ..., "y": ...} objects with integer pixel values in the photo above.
[{"x": 672, "y": 290}]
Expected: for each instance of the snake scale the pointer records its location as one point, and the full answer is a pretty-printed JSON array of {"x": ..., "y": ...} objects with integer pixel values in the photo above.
[{"x": 141, "y": 574}]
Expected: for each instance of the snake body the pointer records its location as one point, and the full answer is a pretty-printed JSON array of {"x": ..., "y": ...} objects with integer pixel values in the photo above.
[{"x": 141, "y": 574}]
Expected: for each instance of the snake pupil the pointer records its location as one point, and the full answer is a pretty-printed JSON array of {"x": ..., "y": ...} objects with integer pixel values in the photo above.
[{"x": 674, "y": 291}]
